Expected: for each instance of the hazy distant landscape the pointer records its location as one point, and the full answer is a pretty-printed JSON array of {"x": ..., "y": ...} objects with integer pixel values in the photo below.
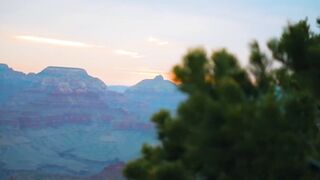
[
  {"x": 159, "y": 90},
  {"x": 62, "y": 122}
]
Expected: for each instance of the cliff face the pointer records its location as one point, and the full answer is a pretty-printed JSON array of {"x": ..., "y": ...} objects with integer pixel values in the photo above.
[
  {"x": 11, "y": 82},
  {"x": 63, "y": 121},
  {"x": 69, "y": 80},
  {"x": 53, "y": 97},
  {"x": 60, "y": 95}
]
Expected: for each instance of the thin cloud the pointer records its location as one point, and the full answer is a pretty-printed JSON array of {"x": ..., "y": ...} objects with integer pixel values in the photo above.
[
  {"x": 128, "y": 53},
  {"x": 78, "y": 44},
  {"x": 58, "y": 42},
  {"x": 157, "y": 41}
]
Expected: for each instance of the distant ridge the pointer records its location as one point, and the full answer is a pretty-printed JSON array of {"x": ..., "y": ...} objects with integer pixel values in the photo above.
[
  {"x": 157, "y": 84},
  {"x": 4, "y": 66},
  {"x": 159, "y": 77},
  {"x": 62, "y": 123},
  {"x": 56, "y": 71}
]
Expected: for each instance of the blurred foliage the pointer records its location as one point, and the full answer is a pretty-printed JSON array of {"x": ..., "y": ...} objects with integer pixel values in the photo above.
[{"x": 237, "y": 123}]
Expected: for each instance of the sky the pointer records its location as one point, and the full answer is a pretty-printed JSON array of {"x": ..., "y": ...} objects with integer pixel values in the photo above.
[{"x": 124, "y": 41}]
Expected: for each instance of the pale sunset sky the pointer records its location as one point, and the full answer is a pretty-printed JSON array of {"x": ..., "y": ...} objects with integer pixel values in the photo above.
[{"x": 124, "y": 41}]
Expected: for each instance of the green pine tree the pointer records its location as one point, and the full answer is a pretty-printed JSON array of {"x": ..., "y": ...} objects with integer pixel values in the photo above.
[{"x": 255, "y": 123}]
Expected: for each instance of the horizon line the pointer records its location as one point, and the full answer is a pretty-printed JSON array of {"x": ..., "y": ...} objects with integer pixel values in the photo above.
[{"x": 165, "y": 75}]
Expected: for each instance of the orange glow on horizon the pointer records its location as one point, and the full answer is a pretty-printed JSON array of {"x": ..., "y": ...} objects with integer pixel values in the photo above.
[
  {"x": 122, "y": 75},
  {"x": 172, "y": 77}
]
